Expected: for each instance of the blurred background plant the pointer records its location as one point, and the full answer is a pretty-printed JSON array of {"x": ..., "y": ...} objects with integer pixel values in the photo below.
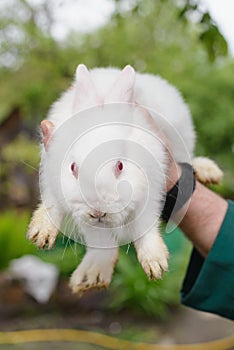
[{"x": 175, "y": 39}]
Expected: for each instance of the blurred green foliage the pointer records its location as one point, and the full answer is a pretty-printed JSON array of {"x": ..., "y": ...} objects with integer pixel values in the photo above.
[
  {"x": 21, "y": 149},
  {"x": 13, "y": 242},
  {"x": 210, "y": 35},
  {"x": 19, "y": 172}
]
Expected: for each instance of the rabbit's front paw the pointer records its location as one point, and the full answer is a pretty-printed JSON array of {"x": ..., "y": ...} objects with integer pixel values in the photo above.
[
  {"x": 93, "y": 272},
  {"x": 207, "y": 171},
  {"x": 41, "y": 231},
  {"x": 153, "y": 257}
]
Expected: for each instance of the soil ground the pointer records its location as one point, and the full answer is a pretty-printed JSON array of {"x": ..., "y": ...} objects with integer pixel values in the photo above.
[{"x": 20, "y": 312}]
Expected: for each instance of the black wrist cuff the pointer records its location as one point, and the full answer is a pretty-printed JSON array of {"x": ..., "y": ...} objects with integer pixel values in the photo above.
[{"x": 180, "y": 192}]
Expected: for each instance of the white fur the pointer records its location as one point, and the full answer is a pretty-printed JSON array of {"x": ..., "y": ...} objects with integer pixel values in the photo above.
[
  {"x": 142, "y": 179},
  {"x": 149, "y": 90}
]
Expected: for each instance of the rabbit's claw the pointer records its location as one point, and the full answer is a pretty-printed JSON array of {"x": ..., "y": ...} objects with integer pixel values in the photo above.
[
  {"x": 41, "y": 231},
  {"x": 95, "y": 271}
]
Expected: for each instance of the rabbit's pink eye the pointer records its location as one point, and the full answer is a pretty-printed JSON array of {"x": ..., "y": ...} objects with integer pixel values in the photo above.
[
  {"x": 74, "y": 169},
  {"x": 120, "y": 165},
  {"x": 118, "y": 168}
]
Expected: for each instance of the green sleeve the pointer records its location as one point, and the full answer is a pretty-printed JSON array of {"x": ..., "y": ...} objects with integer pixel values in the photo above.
[{"x": 209, "y": 283}]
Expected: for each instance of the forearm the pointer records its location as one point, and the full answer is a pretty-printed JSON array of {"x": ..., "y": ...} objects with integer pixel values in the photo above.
[
  {"x": 203, "y": 219},
  {"x": 202, "y": 215}
]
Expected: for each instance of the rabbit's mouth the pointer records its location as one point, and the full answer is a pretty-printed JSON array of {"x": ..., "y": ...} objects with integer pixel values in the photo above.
[
  {"x": 98, "y": 222},
  {"x": 106, "y": 220},
  {"x": 101, "y": 218}
]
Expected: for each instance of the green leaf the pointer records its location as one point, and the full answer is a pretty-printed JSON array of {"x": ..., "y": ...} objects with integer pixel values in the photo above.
[
  {"x": 214, "y": 42},
  {"x": 206, "y": 18}
]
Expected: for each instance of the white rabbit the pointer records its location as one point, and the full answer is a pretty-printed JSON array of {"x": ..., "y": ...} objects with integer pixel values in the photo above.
[{"x": 104, "y": 162}]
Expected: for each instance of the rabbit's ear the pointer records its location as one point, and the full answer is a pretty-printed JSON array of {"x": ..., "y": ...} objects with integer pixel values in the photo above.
[
  {"x": 85, "y": 92},
  {"x": 47, "y": 128},
  {"x": 122, "y": 89}
]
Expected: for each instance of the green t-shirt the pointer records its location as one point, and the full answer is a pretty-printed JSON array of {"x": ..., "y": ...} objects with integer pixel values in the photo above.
[{"x": 209, "y": 283}]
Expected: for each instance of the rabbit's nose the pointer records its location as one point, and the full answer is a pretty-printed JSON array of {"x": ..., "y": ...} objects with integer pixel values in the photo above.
[{"x": 97, "y": 214}]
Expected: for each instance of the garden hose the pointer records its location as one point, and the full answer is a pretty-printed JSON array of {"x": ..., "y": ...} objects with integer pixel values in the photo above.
[{"x": 105, "y": 341}]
